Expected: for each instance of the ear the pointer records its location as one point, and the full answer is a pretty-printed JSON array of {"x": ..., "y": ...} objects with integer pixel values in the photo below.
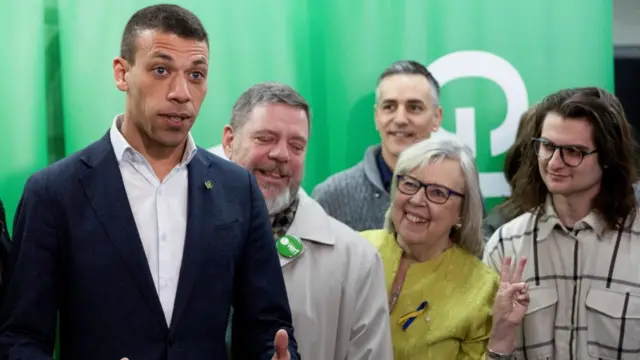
[
  {"x": 227, "y": 141},
  {"x": 376, "y": 110},
  {"x": 121, "y": 69},
  {"x": 437, "y": 119}
]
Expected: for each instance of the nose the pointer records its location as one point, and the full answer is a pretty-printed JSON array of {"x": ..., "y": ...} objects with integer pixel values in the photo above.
[
  {"x": 279, "y": 152},
  {"x": 555, "y": 162},
  {"x": 179, "y": 90},
  {"x": 419, "y": 198},
  {"x": 401, "y": 116}
]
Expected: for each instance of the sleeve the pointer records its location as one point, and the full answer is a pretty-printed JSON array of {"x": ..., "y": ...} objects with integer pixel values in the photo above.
[
  {"x": 495, "y": 250},
  {"x": 29, "y": 313},
  {"x": 474, "y": 347},
  {"x": 260, "y": 303},
  {"x": 370, "y": 337}
]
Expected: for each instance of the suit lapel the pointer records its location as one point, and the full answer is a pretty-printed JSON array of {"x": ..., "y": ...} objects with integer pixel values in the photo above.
[
  {"x": 104, "y": 187},
  {"x": 201, "y": 211}
]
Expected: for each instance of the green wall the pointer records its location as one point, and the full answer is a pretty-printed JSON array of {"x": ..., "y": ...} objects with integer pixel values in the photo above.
[{"x": 493, "y": 58}]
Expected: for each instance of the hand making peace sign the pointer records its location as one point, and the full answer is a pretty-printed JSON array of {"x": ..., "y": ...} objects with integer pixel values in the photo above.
[{"x": 512, "y": 298}]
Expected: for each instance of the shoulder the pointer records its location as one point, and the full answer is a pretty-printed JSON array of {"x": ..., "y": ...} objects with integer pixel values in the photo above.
[
  {"x": 64, "y": 172},
  {"x": 341, "y": 181},
  {"x": 377, "y": 237},
  {"x": 221, "y": 166},
  {"x": 350, "y": 239},
  {"x": 512, "y": 234}
]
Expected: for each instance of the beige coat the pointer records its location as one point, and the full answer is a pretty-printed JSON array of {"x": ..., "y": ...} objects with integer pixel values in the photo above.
[{"x": 336, "y": 290}]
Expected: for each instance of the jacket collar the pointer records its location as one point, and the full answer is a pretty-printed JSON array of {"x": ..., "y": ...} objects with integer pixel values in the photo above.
[
  {"x": 123, "y": 149},
  {"x": 370, "y": 165},
  {"x": 548, "y": 221},
  {"x": 311, "y": 222}
]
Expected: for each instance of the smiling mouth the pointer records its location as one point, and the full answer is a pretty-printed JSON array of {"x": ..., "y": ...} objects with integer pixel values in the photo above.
[
  {"x": 402, "y": 135},
  {"x": 272, "y": 174},
  {"x": 415, "y": 219}
]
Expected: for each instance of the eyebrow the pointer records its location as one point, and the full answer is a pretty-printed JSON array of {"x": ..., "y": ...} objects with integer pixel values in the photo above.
[
  {"x": 161, "y": 55},
  {"x": 568, "y": 145},
  {"x": 269, "y": 132}
]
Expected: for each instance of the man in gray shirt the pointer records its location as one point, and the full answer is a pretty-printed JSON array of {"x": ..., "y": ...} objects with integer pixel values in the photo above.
[{"x": 407, "y": 110}]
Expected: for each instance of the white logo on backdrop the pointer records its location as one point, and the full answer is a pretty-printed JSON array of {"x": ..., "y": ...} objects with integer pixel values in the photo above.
[{"x": 481, "y": 64}]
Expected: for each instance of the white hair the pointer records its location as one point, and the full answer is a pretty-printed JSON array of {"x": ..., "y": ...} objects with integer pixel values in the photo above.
[{"x": 435, "y": 149}]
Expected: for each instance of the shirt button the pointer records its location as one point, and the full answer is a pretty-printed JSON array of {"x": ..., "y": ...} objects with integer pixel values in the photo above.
[
  {"x": 163, "y": 237},
  {"x": 377, "y": 195},
  {"x": 160, "y": 191}
]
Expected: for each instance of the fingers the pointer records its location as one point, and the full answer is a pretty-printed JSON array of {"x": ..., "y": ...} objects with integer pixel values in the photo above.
[
  {"x": 281, "y": 343},
  {"x": 517, "y": 274},
  {"x": 512, "y": 290},
  {"x": 505, "y": 271},
  {"x": 522, "y": 298}
]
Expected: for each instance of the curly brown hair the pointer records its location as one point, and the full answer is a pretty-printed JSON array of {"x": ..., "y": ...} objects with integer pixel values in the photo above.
[{"x": 613, "y": 138}]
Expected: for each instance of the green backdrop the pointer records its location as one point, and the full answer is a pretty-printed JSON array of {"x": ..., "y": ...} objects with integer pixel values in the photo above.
[{"x": 493, "y": 58}]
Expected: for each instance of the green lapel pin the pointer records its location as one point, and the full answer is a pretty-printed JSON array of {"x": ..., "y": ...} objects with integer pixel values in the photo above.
[
  {"x": 289, "y": 246},
  {"x": 208, "y": 184}
]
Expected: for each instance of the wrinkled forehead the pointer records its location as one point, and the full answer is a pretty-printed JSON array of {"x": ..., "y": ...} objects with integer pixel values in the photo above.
[
  {"x": 405, "y": 87},
  {"x": 157, "y": 45},
  {"x": 278, "y": 119}
]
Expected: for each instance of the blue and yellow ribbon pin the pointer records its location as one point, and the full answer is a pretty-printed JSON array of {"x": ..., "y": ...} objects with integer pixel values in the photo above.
[{"x": 407, "y": 319}]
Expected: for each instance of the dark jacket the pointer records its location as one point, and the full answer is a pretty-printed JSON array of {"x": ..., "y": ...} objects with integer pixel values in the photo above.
[
  {"x": 77, "y": 253},
  {"x": 5, "y": 247}
]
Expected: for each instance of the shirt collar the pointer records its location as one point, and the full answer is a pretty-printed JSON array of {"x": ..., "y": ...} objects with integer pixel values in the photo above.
[
  {"x": 123, "y": 149},
  {"x": 548, "y": 221},
  {"x": 386, "y": 174},
  {"x": 311, "y": 222}
]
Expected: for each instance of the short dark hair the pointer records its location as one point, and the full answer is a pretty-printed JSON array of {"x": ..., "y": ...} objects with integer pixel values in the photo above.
[
  {"x": 266, "y": 93},
  {"x": 168, "y": 18},
  {"x": 613, "y": 138},
  {"x": 415, "y": 68}
]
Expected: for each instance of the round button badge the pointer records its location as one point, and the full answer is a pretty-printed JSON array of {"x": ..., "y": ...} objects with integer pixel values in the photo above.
[{"x": 289, "y": 246}]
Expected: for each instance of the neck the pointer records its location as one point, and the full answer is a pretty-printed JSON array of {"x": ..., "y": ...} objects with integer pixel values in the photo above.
[
  {"x": 424, "y": 252},
  {"x": 573, "y": 208},
  {"x": 389, "y": 159},
  {"x": 161, "y": 158}
]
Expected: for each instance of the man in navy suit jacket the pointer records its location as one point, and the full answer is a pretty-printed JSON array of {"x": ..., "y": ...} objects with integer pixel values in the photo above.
[{"x": 142, "y": 241}]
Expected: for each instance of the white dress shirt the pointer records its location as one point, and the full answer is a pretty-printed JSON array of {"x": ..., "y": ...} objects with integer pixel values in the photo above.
[{"x": 159, "y": 210}]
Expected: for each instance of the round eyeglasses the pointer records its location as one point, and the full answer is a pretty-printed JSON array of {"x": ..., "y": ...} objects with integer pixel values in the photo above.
[
  {"x": 571, "y": 155},
  {"x": 437, "y": 194}
]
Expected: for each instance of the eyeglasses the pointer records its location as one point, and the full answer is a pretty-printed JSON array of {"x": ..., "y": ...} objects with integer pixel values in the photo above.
[
  {"x": 571, "y": 156},
  {"x": 437, "y": 194}
]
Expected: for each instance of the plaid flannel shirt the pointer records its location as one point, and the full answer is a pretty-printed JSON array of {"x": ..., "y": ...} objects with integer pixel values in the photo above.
[{"x": 584, "y": 284}]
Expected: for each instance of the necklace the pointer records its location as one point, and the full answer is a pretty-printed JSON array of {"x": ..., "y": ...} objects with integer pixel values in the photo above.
[{"x": 398, "y": 282}]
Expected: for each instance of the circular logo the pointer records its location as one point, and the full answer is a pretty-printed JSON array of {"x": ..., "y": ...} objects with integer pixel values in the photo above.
[{"x": 289, "y": 246}]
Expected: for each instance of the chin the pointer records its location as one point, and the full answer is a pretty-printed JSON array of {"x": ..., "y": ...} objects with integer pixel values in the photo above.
[
  {"x": 556, "y": 189},
  {"x": 409, "y": 238}
]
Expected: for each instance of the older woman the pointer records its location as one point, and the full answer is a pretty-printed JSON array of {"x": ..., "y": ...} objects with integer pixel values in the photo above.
[{"x": 440, "y": 294}]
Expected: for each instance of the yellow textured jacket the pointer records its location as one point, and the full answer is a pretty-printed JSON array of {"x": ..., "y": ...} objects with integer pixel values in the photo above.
[{"x": 459, "y": 290}]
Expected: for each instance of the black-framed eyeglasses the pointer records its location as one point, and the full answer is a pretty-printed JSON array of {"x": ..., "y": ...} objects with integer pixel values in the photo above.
[
  {"x": 437, "y": 194},
  {"x": 571, "y": 155}
]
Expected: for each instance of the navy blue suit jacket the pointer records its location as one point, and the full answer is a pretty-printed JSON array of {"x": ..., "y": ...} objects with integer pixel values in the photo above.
[{"x": 77, "y": 252}]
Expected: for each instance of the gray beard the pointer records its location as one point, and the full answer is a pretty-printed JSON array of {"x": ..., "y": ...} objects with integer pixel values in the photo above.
[{"x": 282, "y": 201}]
